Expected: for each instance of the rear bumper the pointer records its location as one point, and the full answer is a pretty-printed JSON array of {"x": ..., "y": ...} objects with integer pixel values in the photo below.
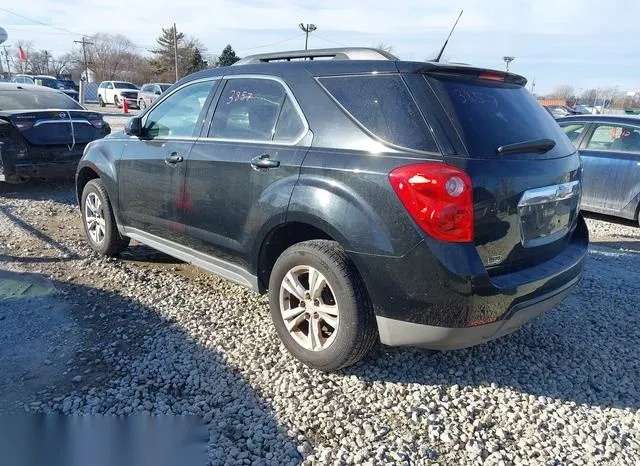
[
  {"x": 16, "y": 171},
  {"x": 400, "y": 333},
  {"x": 440, "y": 296}
]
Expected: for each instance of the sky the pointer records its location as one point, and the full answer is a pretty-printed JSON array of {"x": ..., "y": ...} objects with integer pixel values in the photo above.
[{"x": 585, "y": 43}]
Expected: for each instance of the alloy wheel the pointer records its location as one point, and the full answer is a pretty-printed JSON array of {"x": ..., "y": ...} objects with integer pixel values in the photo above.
[{"x": 308, "y": 308}]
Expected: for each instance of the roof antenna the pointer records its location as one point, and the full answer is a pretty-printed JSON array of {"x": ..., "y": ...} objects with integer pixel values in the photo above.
[{"x": 437, "y": 59}]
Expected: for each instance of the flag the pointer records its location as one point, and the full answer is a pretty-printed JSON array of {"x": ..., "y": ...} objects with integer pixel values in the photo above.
[{"x": 22, "y": 55}]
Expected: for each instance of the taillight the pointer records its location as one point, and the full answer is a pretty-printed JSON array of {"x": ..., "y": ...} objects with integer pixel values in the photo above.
[
  {"x": 438, "y": 197},
  {"x": 24, "y": 125},
  {"x": 97, "y": 123}
]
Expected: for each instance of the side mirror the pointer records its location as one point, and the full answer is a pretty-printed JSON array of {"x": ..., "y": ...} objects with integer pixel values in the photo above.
[
  {"x": 133, "y": 127},
  {"x": 158, "y": 92}
]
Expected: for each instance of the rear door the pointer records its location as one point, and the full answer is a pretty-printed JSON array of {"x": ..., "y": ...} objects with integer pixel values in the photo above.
[
  {"x": 526, "y": 197},
  {"x": 242, "y": 171},
  {"x": 611, "y": 159},
  {"x": 152, "y": 167}
]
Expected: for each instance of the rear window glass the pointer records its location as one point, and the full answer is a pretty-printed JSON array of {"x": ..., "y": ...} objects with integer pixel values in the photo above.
[
  {"x": 32, "y": 100},
  {"x": 383, "y": 105},
  {"x": 489, "y": 115}
]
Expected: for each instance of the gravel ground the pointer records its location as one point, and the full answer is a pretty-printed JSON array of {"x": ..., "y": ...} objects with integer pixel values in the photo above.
[{"x": 146, "y": 333}]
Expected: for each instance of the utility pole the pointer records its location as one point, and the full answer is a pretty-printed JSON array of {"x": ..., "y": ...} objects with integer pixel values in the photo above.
[
  {"x": 175, "y": 49},
  {"x": 84, "y": 53},
  {"x": 46, "y": 61},
  {"x": 309, "y": 28},
  {"x": 6, "y": 57}
]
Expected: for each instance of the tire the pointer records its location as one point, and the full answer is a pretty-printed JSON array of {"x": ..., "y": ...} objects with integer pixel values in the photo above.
[
  {"x": 116, "y": 101},
  {"x": 101, "y": 102},
  {"x": 102, "y": 234},
  {"x": 142, "y": 104},
  {"x": 344, "y": 300}
]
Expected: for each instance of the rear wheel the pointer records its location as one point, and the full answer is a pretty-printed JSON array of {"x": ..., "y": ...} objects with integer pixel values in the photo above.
[
  {"x": 99, "y": 223},
  {"x": 320, "y": 307}
]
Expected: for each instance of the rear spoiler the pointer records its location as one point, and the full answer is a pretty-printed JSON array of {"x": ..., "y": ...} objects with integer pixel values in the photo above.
[{"x": 433, "y": 68}]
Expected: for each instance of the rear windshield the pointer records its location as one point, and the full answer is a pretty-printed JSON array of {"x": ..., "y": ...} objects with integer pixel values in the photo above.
[
  {"x": 384, "y": 106},
  {"x": 490, "y": 114},
  {"x": 34, "y": 100}
]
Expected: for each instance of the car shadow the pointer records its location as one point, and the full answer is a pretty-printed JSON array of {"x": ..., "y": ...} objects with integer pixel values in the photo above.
[
  {"x": 65, "y": 252},
  {"x": 75, "y": 342},
  {"x": 59, "y": 190},
  {"x": 611, "y": 219},
  {"x": 583, "y": 351}
]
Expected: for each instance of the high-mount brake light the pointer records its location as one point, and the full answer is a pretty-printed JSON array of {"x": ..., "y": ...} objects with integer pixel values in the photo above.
[
  {"x": 492, "y": 76},
  {"x": 438, "y": 197}
]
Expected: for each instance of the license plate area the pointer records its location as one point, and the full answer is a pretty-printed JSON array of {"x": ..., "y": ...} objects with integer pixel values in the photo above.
[{"x": 546, "y": 214}]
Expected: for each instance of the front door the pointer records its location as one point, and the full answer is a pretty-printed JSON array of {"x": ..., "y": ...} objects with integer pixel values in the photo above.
[
  {"x": 243, "y": 172},
  {"x": 611, "y": 164},
  {"x": 152, "y": 167}
]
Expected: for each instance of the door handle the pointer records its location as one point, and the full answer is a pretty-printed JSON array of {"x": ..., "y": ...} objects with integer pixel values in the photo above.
[
  {"x": 173, "y": 158},
  {"x": 263, "y": 162}
]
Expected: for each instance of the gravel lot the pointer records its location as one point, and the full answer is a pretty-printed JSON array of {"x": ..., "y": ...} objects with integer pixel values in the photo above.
[{"x": 146, "y": 333}]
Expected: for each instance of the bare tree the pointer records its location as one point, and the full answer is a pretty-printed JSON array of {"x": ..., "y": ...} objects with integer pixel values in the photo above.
[
  {"x": 564, "y": 91},
  {"x": 110, "y": 56},
  {"x": 386, "y": 47}
]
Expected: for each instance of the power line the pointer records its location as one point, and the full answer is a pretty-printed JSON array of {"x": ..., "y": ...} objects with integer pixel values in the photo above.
[
  {"x": 41, "y": 23},
  {"x": 272, "y": 43},
  {"x": 330, "y": 41}
]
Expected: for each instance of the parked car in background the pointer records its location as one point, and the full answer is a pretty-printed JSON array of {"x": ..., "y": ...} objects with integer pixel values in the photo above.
[
  {"x": 150, "y": 92},
  {"x": 114, "y": 92},
  {"x": 558, "y": 111},
  {"x": 69, "y": 84},
  {"x": 47, "y": 81},
  {"x": 412, "y": 203},
  {"x": 583, "y": 109},
  {"x": 43, "y": 132},
  {"x": 609, "y": 147}
]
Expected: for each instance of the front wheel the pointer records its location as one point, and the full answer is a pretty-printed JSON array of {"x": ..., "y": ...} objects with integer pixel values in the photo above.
[
  {"x": 116, "y": 101},
  {"x": 101, "y": 102},
  {"x": 99, "y": 222},
  {"x": 141, "y": 104},
  {"x": 320, "y": 307}
]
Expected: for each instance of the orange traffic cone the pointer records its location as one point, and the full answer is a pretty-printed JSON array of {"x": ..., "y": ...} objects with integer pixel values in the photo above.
[{"x": 125, "y": 105}]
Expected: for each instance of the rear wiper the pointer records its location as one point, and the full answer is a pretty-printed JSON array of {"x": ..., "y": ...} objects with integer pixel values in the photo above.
[{"x": 535, "y": 145}]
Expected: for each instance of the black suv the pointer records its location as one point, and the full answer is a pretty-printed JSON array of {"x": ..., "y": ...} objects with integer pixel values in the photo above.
[{"x": 412, "y": 203}]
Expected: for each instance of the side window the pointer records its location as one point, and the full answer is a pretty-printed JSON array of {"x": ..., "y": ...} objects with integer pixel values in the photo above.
[
  {"x": 109, "y": 85},
  {"x": 289, "y": 126},
  {"x": 383, "y": 105},
  {"x": 615, "y": 138},
  {"x": 177, "y": 116},
  {"x": 247, "y": 110},
  {"x": 573, "y": 131}
]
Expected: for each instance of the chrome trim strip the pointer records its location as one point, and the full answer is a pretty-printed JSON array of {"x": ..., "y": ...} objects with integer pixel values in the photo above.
[
  {"x": 547, "y": 194},
  {"x": 61, "y": 120}
]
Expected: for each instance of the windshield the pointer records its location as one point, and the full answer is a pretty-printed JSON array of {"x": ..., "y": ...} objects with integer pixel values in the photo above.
[
  {"x": 36, "y": 100},
  {"x": 491, "y": 114},
  {"x": 52, "y": 83},
  {"x": 124, "y": 86}
]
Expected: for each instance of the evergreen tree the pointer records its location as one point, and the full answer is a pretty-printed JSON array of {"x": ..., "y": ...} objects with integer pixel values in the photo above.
[
  {"x": 164, "y": 60},
  {"x": 228, "y": 57},
  {"x": 195, "y": 62}
]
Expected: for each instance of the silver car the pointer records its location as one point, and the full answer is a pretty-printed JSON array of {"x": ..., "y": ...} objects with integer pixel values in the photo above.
[
  {"x": 150, "y": 92},
  {"x": 609, "y": 147}
]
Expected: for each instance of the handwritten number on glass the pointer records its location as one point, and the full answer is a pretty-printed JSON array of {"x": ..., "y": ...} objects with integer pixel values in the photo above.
[{"x": 235, "y": 96}]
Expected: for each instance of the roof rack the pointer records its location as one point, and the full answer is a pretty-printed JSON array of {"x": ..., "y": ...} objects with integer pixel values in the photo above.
[{"x": 345, "y": 53}]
